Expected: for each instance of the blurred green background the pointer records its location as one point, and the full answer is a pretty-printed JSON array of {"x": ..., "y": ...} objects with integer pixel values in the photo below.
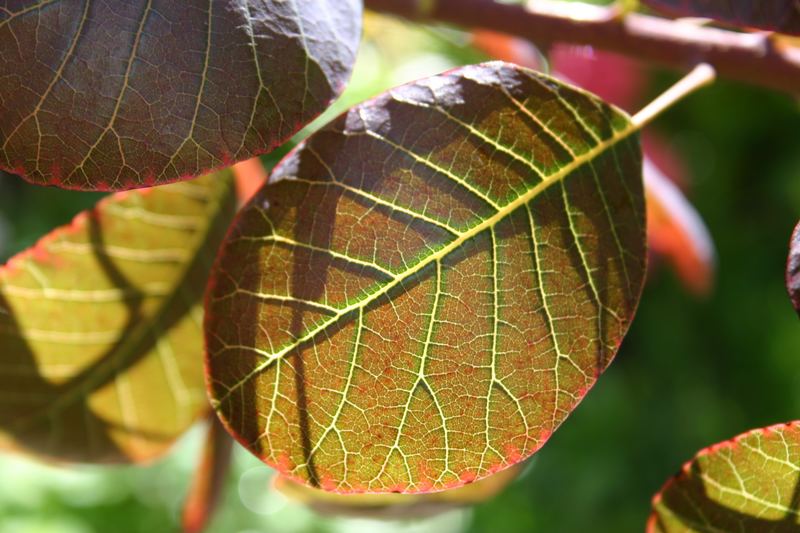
[{"x": 690, "y": 373}]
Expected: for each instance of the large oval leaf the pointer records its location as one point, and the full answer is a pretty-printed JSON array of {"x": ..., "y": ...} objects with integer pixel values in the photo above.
[
  {"x": 749, "y": 483},
  {"x": 124, "y": 94},
  {"x": 793, "y": 269},
  {"x": 100, "y": 325},
  {"x": 432, "y": 285},
  {"x": 777, "y": 15}
]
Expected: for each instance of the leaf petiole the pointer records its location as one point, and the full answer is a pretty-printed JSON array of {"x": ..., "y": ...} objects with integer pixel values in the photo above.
[{"x": 702, "y": 75}]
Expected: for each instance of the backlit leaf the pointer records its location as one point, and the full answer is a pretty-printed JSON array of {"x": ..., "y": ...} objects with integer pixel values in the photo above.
[
  {"x": 432, "y": 283},
  {"x": 100, "y": 325},
  {"x": 793, "y": 269},
  {"x": 777, "y": 15},
  {"x": 124, "y": 94},
  {"x": 749, "y": 483}
]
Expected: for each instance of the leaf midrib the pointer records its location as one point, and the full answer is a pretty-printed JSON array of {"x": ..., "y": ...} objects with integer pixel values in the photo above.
[{"x": 470, "y": 233}]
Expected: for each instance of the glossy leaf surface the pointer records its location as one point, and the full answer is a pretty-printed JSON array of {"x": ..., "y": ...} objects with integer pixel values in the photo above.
[
  {"x": 125, "y": 94},
  {"x": 776, "y": 15},
  {"x": 749, "y": 483},
  {"x": 793, "y": 269},
  {"x": 431, "y": 284},
  {"x": 100, "y": 325}
]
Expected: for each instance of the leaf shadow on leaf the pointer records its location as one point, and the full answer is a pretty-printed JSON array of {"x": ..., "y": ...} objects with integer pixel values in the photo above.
[
  {"x": 69, "y": 401},
  {"x": 26, "y": 375},
  {"x": 694, "y": 508}
]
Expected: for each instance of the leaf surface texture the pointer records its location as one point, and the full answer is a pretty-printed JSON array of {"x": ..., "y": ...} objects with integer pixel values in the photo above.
[
  {"x": 101, "y": 325},
  {"x": 123, "y": 94},
  {"x": 430, "y": 284},
  {"x": 749, "y": 483}
]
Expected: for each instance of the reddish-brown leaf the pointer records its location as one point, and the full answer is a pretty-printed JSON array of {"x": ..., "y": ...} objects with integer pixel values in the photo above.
[
  {"x": 793, "y": 269},
  {"x": 778, "y": 15},
  {"x": 430, "y": 284},
  {"x": 123, "y": 94}
]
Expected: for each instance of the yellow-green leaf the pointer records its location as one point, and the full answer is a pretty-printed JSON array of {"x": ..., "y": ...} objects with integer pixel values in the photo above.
[
  {"x": 100, "y": 325},
  {"x": 431, "y": 283},
  {"x": 749, "y": 483}
]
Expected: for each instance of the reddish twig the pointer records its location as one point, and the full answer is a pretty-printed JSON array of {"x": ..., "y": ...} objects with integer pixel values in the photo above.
[{"x": 756, "y": 58}]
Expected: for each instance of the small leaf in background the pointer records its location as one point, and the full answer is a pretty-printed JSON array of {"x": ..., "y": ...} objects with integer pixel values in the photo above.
[
  {"x": 793, "y": 269},
  {"x": 777, "y": 15},
  {"x": 430, "y": 284},
  {"x": 209, "y": 478},
  {"x": 615, "y": 78},
  {"x": 126, "y": 94},
  {"x": 397, "y": 506},
  {"x": 250, "y": 176},
  {"x": 102, "y": 340},
  {"x": 749, "y": 483},
  {"x": 676, "y": 232},
  {"x": 508, "y": 48}
]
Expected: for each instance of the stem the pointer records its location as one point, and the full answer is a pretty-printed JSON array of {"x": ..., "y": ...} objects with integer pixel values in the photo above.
[
  {"x": 703, "y": 74},
  {"x": 752, "y": 57}
]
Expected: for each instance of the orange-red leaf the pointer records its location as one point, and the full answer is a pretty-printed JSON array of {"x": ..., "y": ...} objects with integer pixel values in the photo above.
[
  {"x": 676, "y": 231},
  {"x": 209, "y": 478},
  {"x": 250, "y": 176}
]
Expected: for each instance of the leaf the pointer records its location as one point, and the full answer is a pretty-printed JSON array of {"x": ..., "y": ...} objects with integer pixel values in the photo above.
[
  {"x": 432, "y": 284},
  {"x": 102, "y": 337},
  {"x": 749, "y": 483},
  {"x": 250, "y": 176},
  {"x": 793, "y": 269},
  {"x": 397, "y": 506},
  {"x": 126, "y": 94},
  {"x": 676, "y": 231},
  {"x": 777, "y": 15},
  {"x": 209, "y": 478}
]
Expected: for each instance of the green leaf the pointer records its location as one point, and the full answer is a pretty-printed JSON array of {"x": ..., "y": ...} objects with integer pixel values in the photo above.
[
  {"x": 100, "y": 325},
  {"x": 793, "y": 269},
  {"x": 749, "y": 483},
  {"x": 776, "y": 15},
  {"x": 432, "y": 284},
  {"x": 126, "y": 94}
]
